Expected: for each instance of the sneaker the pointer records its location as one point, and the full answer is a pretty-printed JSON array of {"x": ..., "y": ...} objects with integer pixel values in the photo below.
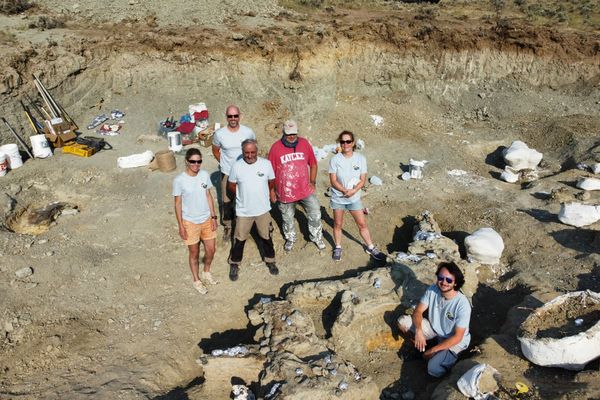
[
  {"x": 288, "y": 246},
  {"x": 320, "y": 244},
  {"x": 375, "y": 253},
  {"x": 337, "y": 254},
  {"x": 208, "y": 278},
  {"x": 233, "y": 272},
  {"x": 199, "y": 286},
  {"x": 273, "y": 270}
]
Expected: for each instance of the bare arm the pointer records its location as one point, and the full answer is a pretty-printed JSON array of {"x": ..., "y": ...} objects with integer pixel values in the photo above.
[
  {"x": 211, "y": 206},
  {"x": 313, "y": 175},
  {"x": 447, "y": 343},
  {"x": 335, "y": 184},
  {"x": 216, "y": 150},
  {"x": 417, "y": 317},
  {"x": 231, "y": 187},
  {"x": 178, "y": 215}
]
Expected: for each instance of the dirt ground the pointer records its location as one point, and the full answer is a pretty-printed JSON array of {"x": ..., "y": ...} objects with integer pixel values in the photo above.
[{"x": 110, "y": 311}]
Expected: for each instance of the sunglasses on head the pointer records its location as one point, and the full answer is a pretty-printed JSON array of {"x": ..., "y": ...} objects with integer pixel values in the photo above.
[
  {"x": 346, "y": 141},
  {"x": 195, "y": 161},
  {"x": 441, "y": 278},
  {"x": 233, "y": 115}
]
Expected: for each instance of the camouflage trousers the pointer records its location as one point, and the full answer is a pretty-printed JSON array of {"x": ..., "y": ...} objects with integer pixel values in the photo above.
[{"x": 313, "y": 214}]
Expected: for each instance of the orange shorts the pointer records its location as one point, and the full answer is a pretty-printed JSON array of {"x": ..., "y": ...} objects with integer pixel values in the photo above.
[{"x": 198, "y": 232}]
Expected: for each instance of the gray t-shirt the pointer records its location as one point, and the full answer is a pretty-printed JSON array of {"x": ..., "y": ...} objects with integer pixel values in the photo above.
[
  {"x": 348, "y": 172},
  {"x": 230, "y": 144},
  {"x": 445, "y": 315},
  {"x": 192, "y": 189},
  {"x": 252, "y": 194}
]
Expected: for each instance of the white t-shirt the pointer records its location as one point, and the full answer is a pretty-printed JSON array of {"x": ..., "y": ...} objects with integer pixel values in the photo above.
[
  {"x": 192, "y": 190},
  {"x": 230, "y": 144},
  {"x": 252, "y": 194},
  {"x": 348, "y": 172}
]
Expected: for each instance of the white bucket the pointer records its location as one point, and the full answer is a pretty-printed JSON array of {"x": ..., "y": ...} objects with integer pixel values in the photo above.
[
  {"x": 41, "y": 147},
  {"x": 12, "y": 151},
  {"x": 175, "y": 143},
  {"x": 3, "y": 163}
]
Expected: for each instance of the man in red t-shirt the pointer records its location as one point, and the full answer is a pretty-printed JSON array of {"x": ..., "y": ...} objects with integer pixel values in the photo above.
[{"x": 295, "y": 167}]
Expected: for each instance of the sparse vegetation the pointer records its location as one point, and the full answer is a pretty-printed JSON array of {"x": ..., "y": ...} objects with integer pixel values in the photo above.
[
  {"x": 44, "y": 22},
  {"x": 14, "y": 6}
]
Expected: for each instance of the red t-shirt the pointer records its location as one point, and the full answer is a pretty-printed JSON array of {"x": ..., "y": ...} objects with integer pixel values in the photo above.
[{"x": 292, "y": 173}]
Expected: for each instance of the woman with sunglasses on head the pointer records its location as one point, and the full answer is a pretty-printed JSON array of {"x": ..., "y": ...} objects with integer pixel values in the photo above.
[
  {"x": 448, "y": 318},
  {"x": 196, "y": 217},
  {"x": 347, "y": 175}
]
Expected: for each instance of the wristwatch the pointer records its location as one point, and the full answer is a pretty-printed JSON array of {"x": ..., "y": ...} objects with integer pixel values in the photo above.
[{"x": 214, "y": 217}]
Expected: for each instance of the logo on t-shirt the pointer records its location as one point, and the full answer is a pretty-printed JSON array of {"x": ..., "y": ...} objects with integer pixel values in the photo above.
[
  {"x": 260, "y": 174},
  {"x": 450, "y": 316},
  {"x": 355, "y": 167},
  {"x": 204, "y": 185},
  {"x": 291, "y": 157}
]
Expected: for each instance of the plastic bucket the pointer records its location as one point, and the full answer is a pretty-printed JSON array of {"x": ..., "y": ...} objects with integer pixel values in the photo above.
[
  {"x": 12, "y": 151},
  {"x": 41, "y": 147},
  {"x": 175, "y": 143},
  {"x": 3, "y": 163}
]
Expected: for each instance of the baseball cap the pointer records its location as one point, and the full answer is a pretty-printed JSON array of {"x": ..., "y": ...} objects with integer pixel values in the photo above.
[{"x": 290, "y": 127}]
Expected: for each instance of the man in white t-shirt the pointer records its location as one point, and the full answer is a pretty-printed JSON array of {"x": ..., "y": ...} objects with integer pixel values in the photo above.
[
  {"x": 251, "y": 179},
  {"x": 227, "y": 149}
]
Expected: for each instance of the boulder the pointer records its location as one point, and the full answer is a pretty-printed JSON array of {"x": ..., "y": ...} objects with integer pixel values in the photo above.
[
  {"x": 519, "y": 156},
  {"x": 588, "y": 183},
  {"x": 576, "y": 214},
  {"x": 485, "y": 246}
]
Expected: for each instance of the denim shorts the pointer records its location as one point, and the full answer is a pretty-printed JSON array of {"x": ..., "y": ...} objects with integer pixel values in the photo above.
[{"x": 356, "y": 206}]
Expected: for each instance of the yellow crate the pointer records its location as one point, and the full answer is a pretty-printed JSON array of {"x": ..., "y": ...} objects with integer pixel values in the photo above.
[{"x": 78, "y": 149}]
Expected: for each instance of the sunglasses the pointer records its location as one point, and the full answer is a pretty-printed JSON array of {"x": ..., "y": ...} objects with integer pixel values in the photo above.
[
  {"x": 233, "y": 115},
  {"x": 441, "y": 278},
  {"x": 195, "y": 161},
  {"x": 346, "y": 141}
]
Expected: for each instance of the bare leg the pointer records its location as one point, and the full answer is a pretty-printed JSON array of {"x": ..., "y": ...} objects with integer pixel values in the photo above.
[
  {"x": 210, "y": 247},
  {"x": 193, "y": 260},
  {"x": 338, "y": 222},
  {"x": 361, "y": 222}
]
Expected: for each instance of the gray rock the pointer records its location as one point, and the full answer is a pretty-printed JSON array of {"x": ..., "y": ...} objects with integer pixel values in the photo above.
[{"x": 24, "y": 272}]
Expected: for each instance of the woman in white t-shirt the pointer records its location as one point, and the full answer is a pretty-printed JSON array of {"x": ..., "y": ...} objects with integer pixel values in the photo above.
[
  {"x": 196, "y": 217},
  {"x": 348, "y": 174}
]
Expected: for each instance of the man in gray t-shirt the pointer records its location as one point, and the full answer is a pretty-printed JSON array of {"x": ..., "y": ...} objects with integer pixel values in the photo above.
[
  {"x": 227, "y": 149},
  {"x": 449, "y": 314}
]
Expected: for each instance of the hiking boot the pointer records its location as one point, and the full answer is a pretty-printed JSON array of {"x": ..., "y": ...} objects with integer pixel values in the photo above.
[
  {"x": 233, "y": 272},
  {"x": 273, "y": 270},
  {"x": 320, "y": 244},
  {"x": 207, "y": 277},
  {"x": 199, "y": 286},
  {"x": 337, "y": 254},
  {"x": 375, "y": 253},
  {"x": 288, "y": 246}
]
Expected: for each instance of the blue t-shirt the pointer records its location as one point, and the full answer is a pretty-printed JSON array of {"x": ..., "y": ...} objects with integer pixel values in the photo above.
[
  {"x": 192, "y": 189},
  {"x": 348, "y": 172},
  {"x": 445, "y": 315},
  {"x": 252, "y": 191}
]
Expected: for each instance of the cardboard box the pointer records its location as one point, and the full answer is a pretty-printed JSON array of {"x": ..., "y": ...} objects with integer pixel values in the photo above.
[{"x": 58, "y": 132}]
